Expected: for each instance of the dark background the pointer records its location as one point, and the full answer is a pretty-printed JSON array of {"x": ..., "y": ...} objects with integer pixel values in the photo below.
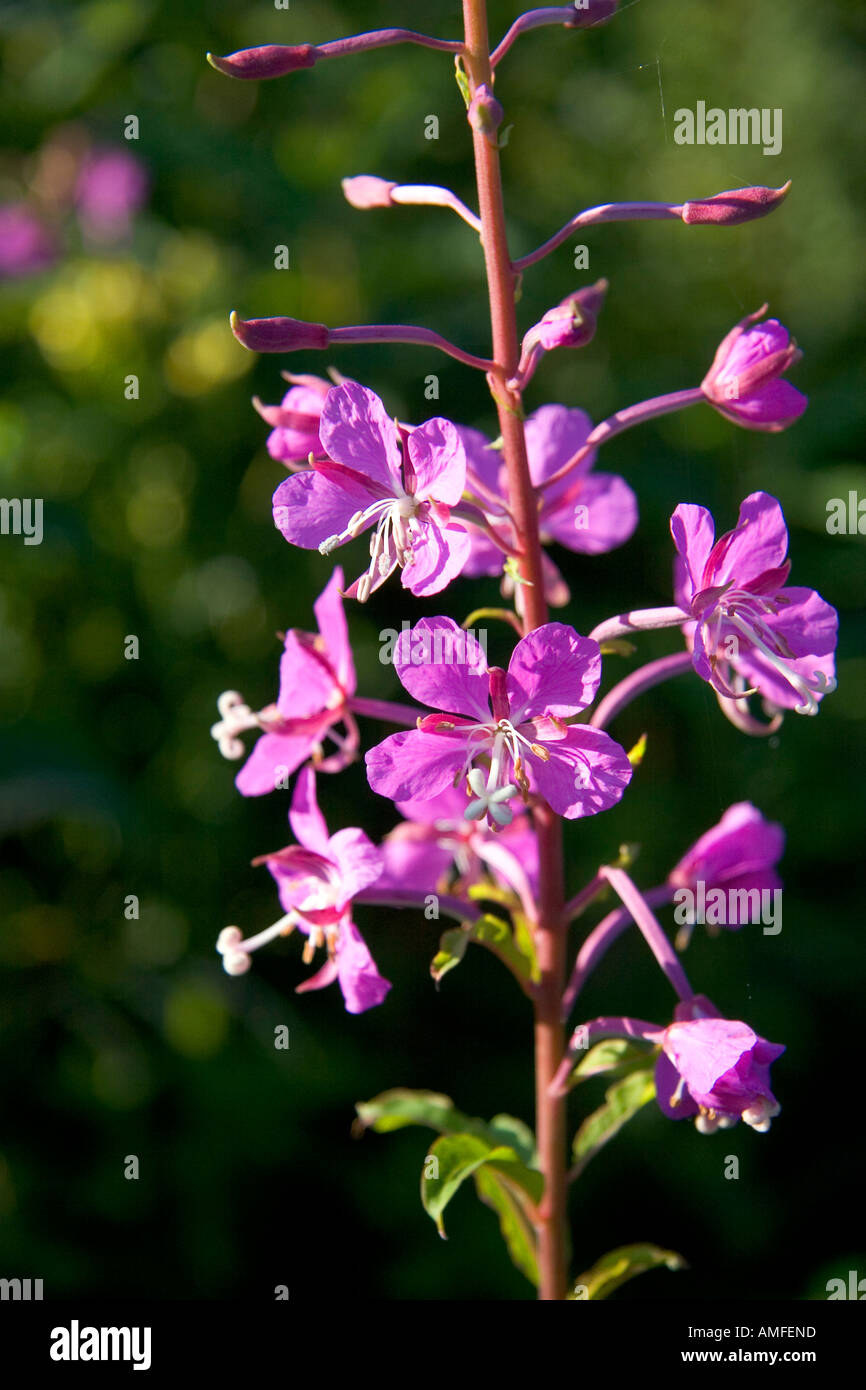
[{"x": 124, "y": 1037}]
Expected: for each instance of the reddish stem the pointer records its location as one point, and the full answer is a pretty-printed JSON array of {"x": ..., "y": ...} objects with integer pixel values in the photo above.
[{"x": 550, "y": 931}]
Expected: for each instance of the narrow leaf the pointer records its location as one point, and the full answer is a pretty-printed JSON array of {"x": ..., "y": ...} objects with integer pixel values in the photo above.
[
  {"x": 515, "y": 1223},
  {"x": 614, "y": 1057},
  {"x": 619, "y": 1265},
  {"x": 621, "y": 1101},
  {"x": 449, "y": 1162}
]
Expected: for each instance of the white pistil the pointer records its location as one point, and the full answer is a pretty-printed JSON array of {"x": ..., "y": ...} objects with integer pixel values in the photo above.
[
  {"x": 236, "y": 718},
  {"x": 489, "y": 800},
  {"x": 236, "y": 952},
  {"x": 491, "y": 796}
]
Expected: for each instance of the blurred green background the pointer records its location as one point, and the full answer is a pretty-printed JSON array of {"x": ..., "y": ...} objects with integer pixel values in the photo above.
[{"x": 124, "y": 1037}]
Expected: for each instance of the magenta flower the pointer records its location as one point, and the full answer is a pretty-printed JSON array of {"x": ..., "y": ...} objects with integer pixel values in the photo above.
[
  {"x": 317, "y": 880},
  {"x": 586, "y": 512},
  {"x": 317, "y": 679},
  {"x": 745, "y": 381},
  {"x": 26, "y": 245},
  {"x": 111, "y": 188},
  {"x": 750, "y": 631},
  {"x": 511, "y": 722},
  {"x": 716, "y": 1070},
  {"x": 569, "y": 324},
  {"x": 436, "y": 840},
  {"x": 403, "y": 482},
  {"x": 741, "y": 852},
  {"x": 295, "y": 421}
]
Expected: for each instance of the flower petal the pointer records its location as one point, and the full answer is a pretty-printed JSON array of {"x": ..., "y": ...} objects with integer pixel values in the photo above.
[
  {"x": 772, "y": 407},
  {"x": 587, "y": 772},
  {"x": 307, "y": 684},
  {"x": 758, "y": 542},
  {"x": 358, "y": 861},
  {"x": 362, "y": 985},
  {"x": 438, "y": 556},
  {"x": 357, "y": 431},
  {"x": 438, "y": 461},
  {"x": 305, "y": 818},
  {"x": 601, "y": 513},
  {"x": 332, "y": 625},
  {"x": 553, "y": 671},
  {"x": 313, "y": 506},
  {"x": 444, "y": 668},
  {"x": 553, "y": 434},
  {"x": 274, "y": 757},
  {"x": 414, "y": 765},
  {"x": 693, "y": 532}
]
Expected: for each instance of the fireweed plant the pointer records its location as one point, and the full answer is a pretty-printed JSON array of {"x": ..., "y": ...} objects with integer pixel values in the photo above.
[{"x": 487, "y": 762}]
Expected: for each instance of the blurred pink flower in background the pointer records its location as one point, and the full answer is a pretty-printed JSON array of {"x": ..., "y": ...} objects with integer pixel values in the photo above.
[
  {"x": 26, "y": 244},
  {"x": 111, "y": 187}
]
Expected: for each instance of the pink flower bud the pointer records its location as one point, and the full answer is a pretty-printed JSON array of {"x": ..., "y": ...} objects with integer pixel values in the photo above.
[
  {"x": 735, "y": 206},
  {"x": 745, "y": 382},
  {"x": 485, "y": 112},
  {"x": 367, "y": 191},
  {"x": 573, "y": 322},
  {"x": 589, "y": 12},
  {"x": 272, "y": 60},
  {"x": 279, "y": 334}
]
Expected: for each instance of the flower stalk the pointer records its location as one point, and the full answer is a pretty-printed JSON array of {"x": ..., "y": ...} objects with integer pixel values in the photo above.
[{"x": 550, "y": 929}]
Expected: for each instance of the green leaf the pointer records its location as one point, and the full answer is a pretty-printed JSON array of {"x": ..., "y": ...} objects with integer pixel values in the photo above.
[
  {"x": 452, "y": 949},
  {"x": 618, "y": 646},
  {"x": 614, "y": 1056},
  {"x": 510, "y": 1186},
  {"x": 462, "y": 80},
  {"x": 515, "y": 951},
  {"x": 637, "y": 753},
  {"x": 507, "y": 1129},
  {"x": 508, "y": 1200},
  {"x": 400, "y": 1107},
  {"x": 498, "y": 937},
  {"x": 449, "y": 1162},
  {"x": 621, "y": 1101},
  {"x": 619, "y": 1265}
]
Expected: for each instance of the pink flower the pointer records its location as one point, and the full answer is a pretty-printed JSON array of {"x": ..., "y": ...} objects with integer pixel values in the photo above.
[
  {"x": 317, "y": 880},
  {"x": 750, "y": 631},
  {"x": 111, "y": 188},
  {"x": 295, "y": 421},
  {"x": 436, "y": 839},
  {"x": 512, "y": 721},
  {"x": 26, "y": 246},
  {"x": 317, "y": 679},
  {"x": 586, "y": 512},
  {"x": 403, "y": 482},
  {"x": 741, "y": 852},
  {"x": 745, "y": 381},
  {"x": 715, "y": 1069}
]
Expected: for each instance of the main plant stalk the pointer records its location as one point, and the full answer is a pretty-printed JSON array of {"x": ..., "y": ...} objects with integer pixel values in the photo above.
[{"x": 550, "y": 932}]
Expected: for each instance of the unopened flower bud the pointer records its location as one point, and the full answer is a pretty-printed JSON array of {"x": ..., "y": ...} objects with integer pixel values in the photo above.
[
  {"x": 279, "y": 334},
  {"x": 271, "y": 60},
  {"x": 589, "y": 12},
  {"x": 367, "y": 191},
  {"x": 485, "y": 112},
  {"x": 736, "y": 205},
  {"x": 572, "y": 323}
]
